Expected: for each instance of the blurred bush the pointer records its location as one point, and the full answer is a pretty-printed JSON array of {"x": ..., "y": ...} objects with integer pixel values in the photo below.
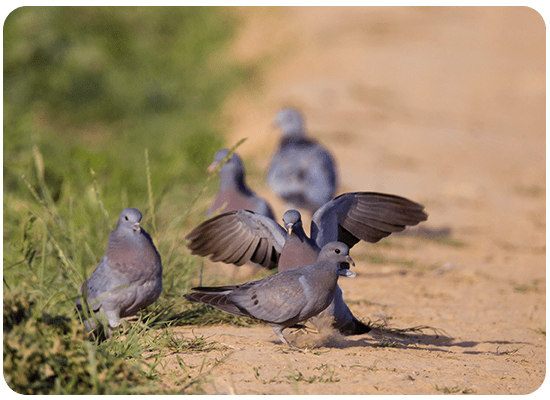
[{"x": 92, "y": 87}]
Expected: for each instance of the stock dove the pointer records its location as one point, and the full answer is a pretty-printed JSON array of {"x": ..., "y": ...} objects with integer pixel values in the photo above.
[
  {"x": 239, "y": 236},
  {"x": 287, "y": 298},
  {"x": 233, "y": 191},
  {"x": 301, "y": 172},
  {"x": 129, "y": 276}
]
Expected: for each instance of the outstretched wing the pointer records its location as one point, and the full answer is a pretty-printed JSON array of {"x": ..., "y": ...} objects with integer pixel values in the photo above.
[{"x": 238, "y": 237}]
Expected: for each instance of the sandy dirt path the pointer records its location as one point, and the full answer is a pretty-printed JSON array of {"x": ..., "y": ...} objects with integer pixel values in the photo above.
[{"x": 445, "y": 106}]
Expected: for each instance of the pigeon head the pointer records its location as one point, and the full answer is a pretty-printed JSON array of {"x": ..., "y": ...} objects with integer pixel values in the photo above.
[
  {"x": 338, "y": 252},
  {"x": 218, "y": 158},
  {"x": 233, "y": 165},
  {"x": 129, "y": 219},
  {"x": 291, "y": 219},
  {"x": 290, "y": 121}
]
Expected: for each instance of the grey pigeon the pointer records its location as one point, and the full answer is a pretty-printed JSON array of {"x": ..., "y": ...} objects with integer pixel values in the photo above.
[
  {"x": 301, "y": 172},
  {"x": 287, "y": 298},
  {"x": 129, "y": 276},
  {"x": 240, "y": 236},
  {"x": 233, "y": 193}
]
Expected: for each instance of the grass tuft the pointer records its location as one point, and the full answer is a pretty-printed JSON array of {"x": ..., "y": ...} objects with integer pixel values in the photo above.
[
  {"x": 51, "y": 354},
  {"x": 150, "y": 192},
  {"x": 452, "y": 390}
]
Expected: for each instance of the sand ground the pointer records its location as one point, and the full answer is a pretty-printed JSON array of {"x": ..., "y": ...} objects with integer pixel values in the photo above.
[{"x": 445, "y": 106}]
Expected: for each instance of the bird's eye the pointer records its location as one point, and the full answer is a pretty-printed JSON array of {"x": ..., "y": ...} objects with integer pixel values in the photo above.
[
  {"x": 337, "y": 251},
  {"x": 126, "y": 217}
]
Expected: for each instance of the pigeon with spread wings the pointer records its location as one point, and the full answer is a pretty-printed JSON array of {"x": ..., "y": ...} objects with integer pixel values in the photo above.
[{"x": 241, "y": 236}]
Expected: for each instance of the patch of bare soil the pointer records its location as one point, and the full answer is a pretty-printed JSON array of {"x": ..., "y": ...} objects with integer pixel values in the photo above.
[{"x": 445, "y": 106}]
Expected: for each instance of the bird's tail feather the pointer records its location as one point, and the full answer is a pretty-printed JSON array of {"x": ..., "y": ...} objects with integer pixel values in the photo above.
[{"x": 216, "y": 298}]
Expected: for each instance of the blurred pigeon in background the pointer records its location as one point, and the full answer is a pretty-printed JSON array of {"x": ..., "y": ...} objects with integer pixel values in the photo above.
[
  {"x": 233, "y": 191},
  {"x": 127, "y": 279},
  {"x": 241, "y": 236},
  {"x": 287, "y": 298},
  {"x": 301, "y": 172}
]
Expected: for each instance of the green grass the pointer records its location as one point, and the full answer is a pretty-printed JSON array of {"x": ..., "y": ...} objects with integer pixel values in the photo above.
[
  {"x": 106, "y": 108},
  {"x": 45, "y": 354},
  {"x": 539, "y": 330},
  {"x": 372, "y": 368},
  {"x": 525, "y": 288},
  {"x": 325, "y": 375},
  {"x": 453, "y": 389}
]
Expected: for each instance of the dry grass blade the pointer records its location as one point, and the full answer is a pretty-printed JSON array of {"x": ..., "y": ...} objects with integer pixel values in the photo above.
[
  {"x": 150, "y": 193},
  {"x": 381, "y": 326}
]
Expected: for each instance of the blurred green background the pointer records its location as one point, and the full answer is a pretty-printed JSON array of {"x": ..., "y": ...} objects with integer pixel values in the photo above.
[
  {"x": 93, "y": 87},
  {"x": 87, "y": 92}
]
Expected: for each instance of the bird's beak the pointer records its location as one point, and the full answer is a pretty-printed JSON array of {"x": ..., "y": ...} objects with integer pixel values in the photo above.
[
  {"x": 344, "y": 268},
  {"x": 136, "y": 227},
  {"x": 289, "y": 228}
]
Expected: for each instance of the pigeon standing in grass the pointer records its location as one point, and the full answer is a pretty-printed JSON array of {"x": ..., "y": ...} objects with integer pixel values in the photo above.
[
  {"x": 127, "y": 279},
  {"x": 301, "y": 172},
  {"x": 233, "y": 193},
  {"x": 287, "y": 298},
  {"x": 241, "y": 236}
]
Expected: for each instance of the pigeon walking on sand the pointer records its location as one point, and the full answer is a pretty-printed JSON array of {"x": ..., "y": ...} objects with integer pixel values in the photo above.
[
  {"x": 233, "y": 193},
  {"x": 241, "y": 236},
  {"x": 287, "y": 298},
  {"x": 301, "y": 172},
  {"x": 127, "y": 279}
]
